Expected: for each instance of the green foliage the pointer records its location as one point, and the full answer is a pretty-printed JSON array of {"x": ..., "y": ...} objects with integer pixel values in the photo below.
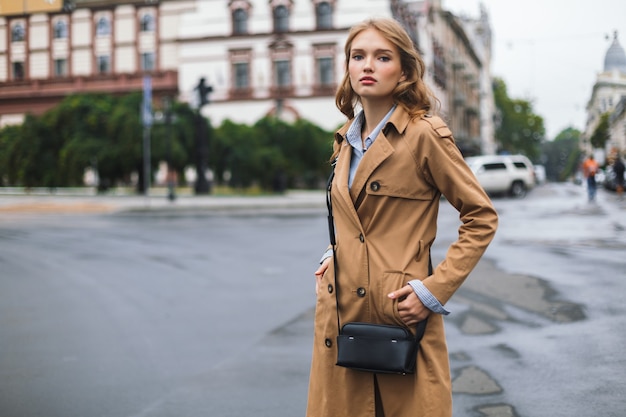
[
  {"x": 271, "y": 153},
  {"x": 31, "y": 154},
  {"x": 176, "y": 142},
  {"x": 518, "y": 129},
  {"x": 80, "y": 125},
  {"x": 105, "y": 133},
  {"x": 85, "y": 130},
  {"x": 561, "y": 156},
  {"x": 600, "y": 135}
]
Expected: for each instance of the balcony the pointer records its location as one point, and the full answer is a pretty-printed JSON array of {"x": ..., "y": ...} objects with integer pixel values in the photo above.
[
  {"x": 240, "y": 93},
  {"x": 281, "y": 91},
  {"x": 38, "y": 95},
  {"x": 324, "y": 90}
]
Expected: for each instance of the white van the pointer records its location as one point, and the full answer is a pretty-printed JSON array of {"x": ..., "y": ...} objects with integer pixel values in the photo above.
[{"x": 503, "y": 174}]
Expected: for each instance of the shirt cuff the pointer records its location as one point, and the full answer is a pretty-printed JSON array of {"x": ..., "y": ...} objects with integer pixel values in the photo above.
[
  {"x": 427, "y": 297},
  {"x": 327, "y": 254}
]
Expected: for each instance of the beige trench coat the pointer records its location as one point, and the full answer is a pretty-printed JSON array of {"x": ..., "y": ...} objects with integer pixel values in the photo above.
[{"x": 384, "y": 244}]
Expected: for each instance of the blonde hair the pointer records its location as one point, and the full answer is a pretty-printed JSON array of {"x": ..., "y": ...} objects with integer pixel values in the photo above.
[{"x": 412, "y": 94}]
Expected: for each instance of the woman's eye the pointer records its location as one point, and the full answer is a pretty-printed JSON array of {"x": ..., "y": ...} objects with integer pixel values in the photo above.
[
  {"x": 385, "y": 58},
  {"x": 357, "y": 57}
]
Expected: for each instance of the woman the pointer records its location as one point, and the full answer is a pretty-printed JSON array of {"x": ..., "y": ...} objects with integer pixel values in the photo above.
[{"x": 394, "y": 161}]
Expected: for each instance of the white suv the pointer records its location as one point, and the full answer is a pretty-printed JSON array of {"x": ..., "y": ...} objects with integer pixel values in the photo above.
[{"x": 510, "y": 174}]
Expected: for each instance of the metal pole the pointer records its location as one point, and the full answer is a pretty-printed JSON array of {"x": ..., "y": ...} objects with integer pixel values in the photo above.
[
  {"x": 170, "y": 176},
  {"x": 202, "y": 185},
  {"x": 146, "y": 159},
  {"x": 146, "y": 116}
]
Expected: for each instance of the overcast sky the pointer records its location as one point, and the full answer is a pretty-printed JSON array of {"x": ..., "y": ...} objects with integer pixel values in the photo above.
[{"x": 549, "y": 52}]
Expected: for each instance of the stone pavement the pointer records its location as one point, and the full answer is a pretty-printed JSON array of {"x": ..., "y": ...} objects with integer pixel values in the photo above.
[{"x": 85, "y": 201}]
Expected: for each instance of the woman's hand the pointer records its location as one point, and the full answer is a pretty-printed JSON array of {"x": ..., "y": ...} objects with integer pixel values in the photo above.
[
  {"x": 410, "y": 307},
  {"x": 320, "y": 273}
]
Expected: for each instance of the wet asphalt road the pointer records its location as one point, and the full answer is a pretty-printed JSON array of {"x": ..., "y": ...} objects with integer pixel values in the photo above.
[{"x": 166, "y": 313}]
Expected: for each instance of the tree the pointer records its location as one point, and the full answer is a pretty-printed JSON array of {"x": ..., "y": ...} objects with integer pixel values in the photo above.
[
  {"x": 562, "y": 155},
  {"x": 105, "y": 133},
  {"x": 8, "y": 136},
  {"x": 79, "y": 124},
  {"x": 236, "y": 144},
  {"x": 176, "y": 142},
  {"x": 600, "y": 135},
  {"x": 518, "y": 129},
  {"x": 31, "y": 155}
]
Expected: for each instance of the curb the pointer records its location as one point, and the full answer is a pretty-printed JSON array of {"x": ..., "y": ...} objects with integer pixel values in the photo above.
[{"x": 295, "y": 201}]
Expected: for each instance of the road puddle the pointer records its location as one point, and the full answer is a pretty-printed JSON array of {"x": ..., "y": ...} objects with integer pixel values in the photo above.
[{"x": 494, "y": 295}]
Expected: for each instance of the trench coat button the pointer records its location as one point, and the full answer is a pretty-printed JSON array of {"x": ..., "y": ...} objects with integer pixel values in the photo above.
[
  {"x": 362, "y": 238},
  {"x": 330, "y": 288},
  {"x": 328, "y": 343},
  {"x": 361, "y": 292},
  {"x": 375, "y": 186}
]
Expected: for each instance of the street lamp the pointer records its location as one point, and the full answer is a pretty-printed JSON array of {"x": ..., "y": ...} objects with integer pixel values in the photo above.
[
  {"x": 170, "y": 176},
  {"x": 202, "y": 186}
]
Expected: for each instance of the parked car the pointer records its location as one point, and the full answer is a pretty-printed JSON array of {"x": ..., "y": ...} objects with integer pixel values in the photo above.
[
  {"x": 503, "y": 174},
  {"x": 601, "y": 176},
  {"x": 540, "y": 174},
  {"x": 609, "y": 179}
]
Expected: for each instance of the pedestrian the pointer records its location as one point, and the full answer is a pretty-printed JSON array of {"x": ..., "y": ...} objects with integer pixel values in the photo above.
[
  {"x": 394, "y": 161},
  {"x": 618, "y": 171},
  {"x": 590, "y": 169}
]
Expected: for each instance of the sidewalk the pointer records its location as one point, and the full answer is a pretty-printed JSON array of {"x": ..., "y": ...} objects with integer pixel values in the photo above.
[{"x": 74, "y": 202}]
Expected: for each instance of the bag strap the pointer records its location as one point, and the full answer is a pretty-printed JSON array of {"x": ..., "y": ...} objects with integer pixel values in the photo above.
[
  {"x": 331, "y": 234},
  {"x": 421, "y": 326}
]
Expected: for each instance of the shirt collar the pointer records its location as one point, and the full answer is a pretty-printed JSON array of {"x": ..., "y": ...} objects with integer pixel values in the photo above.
[{"x": 353, "y": 136}]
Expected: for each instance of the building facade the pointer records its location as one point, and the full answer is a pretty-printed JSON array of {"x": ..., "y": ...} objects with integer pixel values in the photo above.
[
  {"x": 85, "y": 46},
  {"x": 608, "y": 97},
  {"x": 260, "y": 57},
  {"x": 286, "y": 58},
  {"x": 617, "y": 129}
]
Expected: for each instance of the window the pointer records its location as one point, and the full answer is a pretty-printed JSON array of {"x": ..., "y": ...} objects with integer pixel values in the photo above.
[
  {"x": 103, "y": 27},
  {"x": 242, "y": 75},
  {"x": 60, "y": 67},
  {"x": 147, "y": 61},
  {"x": 240, "y": 63},
  {"x": 104, "y": 64},
  {"x": 18, "y": 71},
  {"x": 439, "y": 65},
  {"x": 281, "y": 19},
  {"x": 325, "y": 72},
  {"x": 324, "y": 15},
  {"x": 60, "y": 29},
  {"x": 520, "y": 165},
  {"x": 281, "y": 55},
  {"x": 147, "y": 23},
  {"x": 495, "y": 166},
  {"x": 18, "y": 34},
  {"x": 282, "y": 73},
  {"x": 240, "y": 22}
]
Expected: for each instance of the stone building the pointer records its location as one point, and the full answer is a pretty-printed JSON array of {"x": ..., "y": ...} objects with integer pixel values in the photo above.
[
  {"x": 84, "y": 46},
  {"x": 608, "y": 97},
  {"x": 261, "y": 57}
]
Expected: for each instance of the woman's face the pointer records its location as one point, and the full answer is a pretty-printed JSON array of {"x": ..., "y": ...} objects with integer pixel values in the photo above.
[{"x": 374, "y": 66}]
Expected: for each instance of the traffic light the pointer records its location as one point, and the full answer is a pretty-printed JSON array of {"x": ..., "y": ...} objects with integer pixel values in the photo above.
[{"x": 203, "y": 92}]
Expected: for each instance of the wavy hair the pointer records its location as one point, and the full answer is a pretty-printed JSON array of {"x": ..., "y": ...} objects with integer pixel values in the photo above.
[{"x": 412, "y": 94}]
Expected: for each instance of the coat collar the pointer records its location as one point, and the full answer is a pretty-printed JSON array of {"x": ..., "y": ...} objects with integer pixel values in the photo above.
[
  {"x": 380, "y": 150},
  {"x": 399, "y": 120}
]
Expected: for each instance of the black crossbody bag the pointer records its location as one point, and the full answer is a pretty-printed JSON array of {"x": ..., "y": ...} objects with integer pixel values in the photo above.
[{"x": 378, "y": 348}]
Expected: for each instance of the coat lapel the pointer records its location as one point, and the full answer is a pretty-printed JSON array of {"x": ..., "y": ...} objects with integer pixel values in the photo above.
[
  {"x": 342, "y": 171},
  {"x": 375, "y": 155},
  {"x": 380, "y": 150}
]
